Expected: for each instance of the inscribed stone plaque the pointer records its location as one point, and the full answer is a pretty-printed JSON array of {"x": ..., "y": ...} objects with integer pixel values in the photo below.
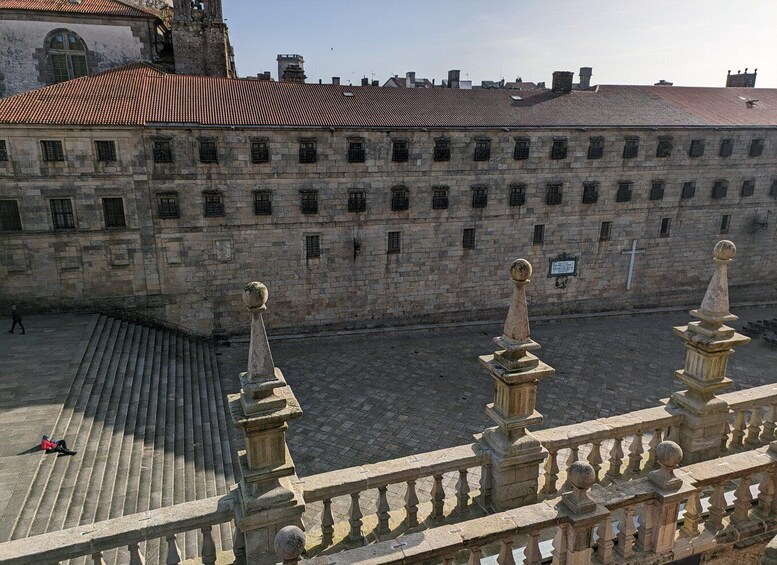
[
  {"x": 119, "y": 256},
  {"x": 563, "y": 266},
  {"x": 223, "y": 250},
  {"x": 173, "y": 252},
  {"x": 15, "y": 260}
]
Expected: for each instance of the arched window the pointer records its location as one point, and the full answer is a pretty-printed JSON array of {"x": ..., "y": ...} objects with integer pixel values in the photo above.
[{"x": 67, "y": 53}]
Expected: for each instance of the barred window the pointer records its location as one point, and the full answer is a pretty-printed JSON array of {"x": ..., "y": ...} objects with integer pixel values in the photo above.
[
  {"x": 482, "y": 149},
  {"x": 725, "y": 223},
  {"x": 631, "y": 148},
  {"x": 517, "y": 194},
  {"x": 308, "y": 201},
  {"x": 689, "y": 190},
  {"x": 697, "y": 148},
  {"x": 357, "y": 201},
  {"x": 479, "y": 196},
  {"x": 214, "y": 206},
  {"x": 307, "y": 151},
  {"x": 442, "y": 149},
  {"x": 468, "y": 238},
  {"x": 105, "y": 150},
  {"x": 726, "y": 147},
  {"x": 521, "y": 151},
  {"x": 260, "y": 151},
  {"x": 538, "y": 237},
  {"x": 163, "y": 151},
  {"x": 439, "y": 197},
  {"x": 596, "y": 148},
  {"x": 657, "y": 190},
  {"x": 605, "y": 231},
  {"x": 62, "y": 214},
  {"x": 52, "y": 151},
  {"x": 312, "y": 246},
  {"x": 756, "y": 148},
  {"x": 719, "y": 189},
  {"x": 262, "y": 203},
  {"x": 665, "y": 225},
  {"x": 9, "y": 216},
  {"x": 208, "y": 151},
  {"x": 590, "y": 192},
  {"x": 356, "y": 151},
  {"x": 168, "y": 205},
  {"x": 665, "y": 146},
  {"x": 624, "y": 192},
  {"x": 748, "y": 187},
  {"x": 3, "y": 151},
  {"x": 113, "y": 210},
  {"x": 773, "y": 189},
  {"x": 553, "y": 193},
  {"x": 400, "y": 150},
  {"x": 394, "y": 242},
  {"x": 400, "y": 200},
  {"x": 559, "y": 148}
]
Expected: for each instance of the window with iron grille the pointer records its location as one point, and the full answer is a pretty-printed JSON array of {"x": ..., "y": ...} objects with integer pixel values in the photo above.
[
  {"x": 308, "y": 201},
  {"x": 539, "y": 234},
  {"x": 62, "y": 214},
  {"x": 689, "y": 190},
  {"x": 665, "y": 225},
  {"x": 697, "y": 148},
  {"x": 657, "y": 190},
  {"x": 665, "y": 146},
  {"x": 624, "y": 192},
  {"x": 262, "y": 203},
  {"x": 52, "y": 151},
  {"x": 773, "y": 189},
  {"x": 163, "y": 151},
  {"x": 479, "y": 196},
  {"x": 168, "y": 205},
  {"x": 356, "y": 151},
  {"x": 113, "y": 210},
  {"x": 214, "y": 205},
  {"x": 468, "y": 238},
  {"x": 400, "y": 150},
  {"x": 596, "y": 148},
  {"x": 521, "y": 151},
  {"x": 631, "y": 148},
  {"x": 553, "y": 193},
  {"x": 748, "y": 187},
  {"x": 559, "y": 148},
  {"x": 726, "y": 147},
  {"x": 3, "y": 151},
  {"x": 357, "y": 201},
  {"x": 105, "y": 150},
  {"x": 439, "y": 197},
  {"x": 442, "y": 149},
  {"x": 208, "y": 151},
  {"x": 312, "y": 246},
  {"x": 590, "y": 192},
  {"x": 400, "y": 200},
  {"x": 9, "y": 216},
  {"x": 260, "y": 151},
  {"x": 307, "y": 151},
  {"x": 517, "y": 194},
  {"x": 756, "y": 148},
  {"x": 482, "y": 149},
  {"x": 605, "y": 231},
  {"x": 725, "y": 223},
  {"x": 394, "y": 241},
  {"x": 719, "y": 189}
]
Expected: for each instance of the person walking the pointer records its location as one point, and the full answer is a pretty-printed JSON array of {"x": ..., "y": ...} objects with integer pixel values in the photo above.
[
  {"x": 55, "y": 446},
  {"x": 17, "y": 319}
]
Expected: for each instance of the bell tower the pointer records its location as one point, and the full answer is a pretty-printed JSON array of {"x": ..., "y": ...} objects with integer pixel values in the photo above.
[{"x": 201, "y": 39}]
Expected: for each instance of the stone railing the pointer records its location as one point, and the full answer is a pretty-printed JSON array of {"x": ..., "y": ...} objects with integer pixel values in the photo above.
[
  {"x": 753, "y": 417},
  {"x": 129, "y": 532}
]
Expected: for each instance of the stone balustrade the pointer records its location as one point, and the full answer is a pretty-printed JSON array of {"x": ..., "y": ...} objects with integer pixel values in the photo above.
[{"x": 753, "y": 417}]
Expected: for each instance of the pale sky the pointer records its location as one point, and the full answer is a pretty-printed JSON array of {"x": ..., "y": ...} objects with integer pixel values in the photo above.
[{"x": 689, "y": 42}]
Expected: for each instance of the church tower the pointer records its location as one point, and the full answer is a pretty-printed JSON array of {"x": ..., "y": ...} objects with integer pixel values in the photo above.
[{"x": 201, "y": 39}]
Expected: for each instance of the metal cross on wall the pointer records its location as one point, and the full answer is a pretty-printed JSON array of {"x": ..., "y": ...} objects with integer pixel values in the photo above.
[{"x": 633, "y": 252}]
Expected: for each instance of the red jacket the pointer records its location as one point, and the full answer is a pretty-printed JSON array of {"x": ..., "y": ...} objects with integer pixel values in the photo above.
[{"x": 47, "y": 445}]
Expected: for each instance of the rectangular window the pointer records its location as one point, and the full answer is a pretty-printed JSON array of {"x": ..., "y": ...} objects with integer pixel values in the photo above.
[
  {"x": 439, "y": 197},
  {"x": 748, "y": 187},
  {"x": 773, "y": 189},
  {"x": 260, "y": 151},
  {"x": 590, "y": 192},
  {"x": 479, "y": 196},
  {"x": 356, "y": 150},
  {"x": 3, "y": 151},
  {"x": 719, "y": 189},
  {"x": 553, "y": 193},
  {"x": 307, "y": 151},
  {"x": 521, "y": 151},
  {"x": 400, "y": 150},
  {"x": 163, "y": 151},
  {"x": 113, "y": 209},
  {"x": 312, "y": 246},
  {"x": 756, "y": 148},
  {"x": 214, "y": 206},
  {"x": 208, "y": 151},
  {"x": 482, "y": 149},
  {"x": 559, "y": 148},
  {"x": 631, "y": 148},
  {"x": 624, "y": 192},
  {"x": 664, "y": 148},
  {"x": 442, "y": 149},
  {"x": 596, "y": 148},
  {"x": 394, "y": 242},
  {"x": 725, "y": 223},
  {"x": 605, "y": 231},
  {"x": 168, "y": 205},
  {"x": 400, "y": 200},
  {"x": 62, "y": 214},
  {"x": 539, "y": 234},
  {"x": 105, "y": 151},
  {"x": 52, "y": 151},
  {"x": 657, "y": 190},
  {"x": 263, "y": 203},
  {"x": 726, "y": 147},
  {"x": 357, "y": 201},
  {"x": 665, "y": 225},
  {"x": 468, "y": 238},
  {"x": 697, "y": 148},
  {"x": 517, "y": 194},
  {"x": 308, "y": 201},
  {"x": 9, "y": 216},
  {"x": 689, "y": 190}
]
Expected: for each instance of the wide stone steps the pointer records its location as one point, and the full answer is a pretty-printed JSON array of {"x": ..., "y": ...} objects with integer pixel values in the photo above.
[{"x": 147, "y": 416}]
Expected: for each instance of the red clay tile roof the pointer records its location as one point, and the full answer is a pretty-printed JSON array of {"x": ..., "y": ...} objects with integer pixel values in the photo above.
[
  {"x": 92, "y": 7},
  {"x": 140, "y": 94}
]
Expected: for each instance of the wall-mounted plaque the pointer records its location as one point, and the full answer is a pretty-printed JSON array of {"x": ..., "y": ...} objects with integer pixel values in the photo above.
[{"x": 563, "y": 266}]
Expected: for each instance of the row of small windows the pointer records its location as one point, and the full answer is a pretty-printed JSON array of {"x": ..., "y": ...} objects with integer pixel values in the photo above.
[{"x": 62, "y": 215}]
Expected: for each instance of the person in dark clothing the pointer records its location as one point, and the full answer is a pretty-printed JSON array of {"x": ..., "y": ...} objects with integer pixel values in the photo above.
[
  {"x": 17, "y": 319},
  {"x": 55, "y": 446}
]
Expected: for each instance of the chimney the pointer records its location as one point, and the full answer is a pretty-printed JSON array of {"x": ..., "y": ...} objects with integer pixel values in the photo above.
[
  {"x": 297, "y": 62},
  {"x": 336, "y": 81},
  {"x": 375, "y": 83},
  {"x": 585, "y": 77},
  {"x": 454, "y": 78},
  {"x": 365, "y": 81},
  {"x": 410, "y": 79},
  {"x": 562, "y": 81}
]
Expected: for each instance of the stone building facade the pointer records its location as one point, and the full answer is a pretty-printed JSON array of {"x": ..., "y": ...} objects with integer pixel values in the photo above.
[{"x": 371, "y": 224}]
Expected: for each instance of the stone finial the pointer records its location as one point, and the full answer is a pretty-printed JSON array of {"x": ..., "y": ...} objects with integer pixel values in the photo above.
[
  {"x": 516, "y": 328},
  {"x": 668, "y": 456},
  {"x": 290, "y": 544},
  {"x": 260, "y": 361},
  {"x": 714, "y": 309},
  {"x": 581, "y": 476},
  {"x": 255, "y": 296}
]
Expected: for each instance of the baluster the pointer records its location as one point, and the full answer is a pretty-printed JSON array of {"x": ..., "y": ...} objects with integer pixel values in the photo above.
[
  {"x": 475, "y": 555},
  {"x": 574, "y": 456},
  {"x": 616, "y": 460},
  {"x": 173, "y": 554},
  {"x": 743, "y": 501},
  {"x": 635, "y": 452},
  {"x": 462, "y": 491},
  {"x": 595, "y": 457},
  {"x": 673, "y": 434},
  {"x": 135, "y": 557},
  {"x": 327, "y": 523},
  {"x": 766, "y": 493},
  {"x": 448, "y": 559},
  {"x": 551, "y": 473},
  {"x": 485, "y": 485},
  {"x": 724, "y": 437},
  {"x": 604, "y": 546},
  {"x": 97, "y": 558},
  {"x": 652, "y": 445},
  {"x": 383, "y": 510},
  {"x": 626, "y": 533},
  {"x": 559, "y": 552},
  {"x": 768, "y": 431},
  {"x": 239, "y": 546},
  {"x": 646, "y": 525},
  {"x": 505, "y": 556},
  {"x": 411, "y": 505},
  {"x": 754, "y": 427},
  {"x": 438, "y": 497},
  {"x": 208, "y": 546},
  {"x": 692, "y": 515},
  {"x": 355, "y": 518},
  {"x": 717, "y": 509},
  {"x": 739, "y": 429},
  {"x": 532, "y": 555}
]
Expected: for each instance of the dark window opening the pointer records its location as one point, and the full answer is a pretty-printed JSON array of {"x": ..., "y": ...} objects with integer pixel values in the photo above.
[
  {"x": 113, "y": 209},
  {"x": 312, "y": 246},
  {"x": 52, "y": 151},
  {"x": 393, "y": 242},
  {"x": 439, "y": 197},
  {"x": 521, "y": 151},
  {"x": 665, "y": 225},
  {"x": 214, "y": 206},
  {"x": 773, "y": 189},
  {"x": 163, "y": 151},
  {"x": 3, "y": 151},
  {"x": 67, "y": 53},
  {"x": 308, "y": 201},
  {"x": 307, "y": 151},
  {"x": 468, "y": 238},
  {"x": 756, "y": 148},
  {"x": 590, "y": 192},
  {"x": 624, "y": 192},
  {"x": 442, "y": 149},
  {"x": 697, "y": 148},
  {"x": 689, "y": 190},
  {"x": 479, "y": 196},
  {"x": 719, "y": 189},
  {"x": 665, "y": 146},
  {"x": 559, "y": 148},
  {"x": 657, "y": 190},
  {"x": 357, "y": 201},
  {"x": 553, "y": 193},
  {"x": 631, "y": 148},
  {"x": 482, "y": 150},
  {"x": 62, "y": 214},
  {"x": 596, "y": 148},
  {"x": 726, "y": 147},
  {"x": 106, "y": 151},
  {"x": 400, "y": 199},
  {"x": 400, "y": 150},
  {"x": 263, "y": 203},
  {"x": 168, "y": 205},
  {"x": 9, "y": 216},
  {"x": 605, "y": 231},
  {"x": 260, "y": 151},
  {"x": 725, "y": 223},
  {"x": 748, "y": 187},
  {"x": 356, "y": 151},
  {"x": 208, "y": 151},
  {"x": 539, "y": 234},
  {"x": 517, "y": 194}
]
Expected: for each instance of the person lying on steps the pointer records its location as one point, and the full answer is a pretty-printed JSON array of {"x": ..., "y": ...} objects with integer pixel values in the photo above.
[{"x": 55, "y": 446}]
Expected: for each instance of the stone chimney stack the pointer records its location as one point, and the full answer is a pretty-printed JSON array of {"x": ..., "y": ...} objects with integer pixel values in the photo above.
[
  {"x": 336, "y": 81},
  {"x": 454, "y": 79},
  {"x": 365, "y": 81},
  {"x": 410, "y": 79},
  {"x": 291, "y": 68},
  {"x": 585, "y": 77},
  {"x": 562, "y": 81}
]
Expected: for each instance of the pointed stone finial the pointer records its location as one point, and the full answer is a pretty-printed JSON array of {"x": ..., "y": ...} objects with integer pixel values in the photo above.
[
  {"x": 714, "y": 309},
  {"x": 260, "y": 363},
  {"x": 515, "y": 338}
]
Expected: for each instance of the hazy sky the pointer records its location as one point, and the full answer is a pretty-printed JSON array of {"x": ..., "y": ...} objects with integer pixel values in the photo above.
[{"x": 689, "y": 42}]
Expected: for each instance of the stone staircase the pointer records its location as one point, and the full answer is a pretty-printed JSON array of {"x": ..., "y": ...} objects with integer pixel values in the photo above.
[{"x": 147, "y": 416}]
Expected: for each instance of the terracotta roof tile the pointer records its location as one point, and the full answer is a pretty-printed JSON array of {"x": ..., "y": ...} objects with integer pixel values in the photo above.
[{"x": 93, "y": 7}]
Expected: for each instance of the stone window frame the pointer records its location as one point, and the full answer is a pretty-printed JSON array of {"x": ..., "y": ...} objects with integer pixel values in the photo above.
[
  {"x": 664, "y": 147},
  {"x": 10, "y": 218},
  {"x": 208, "y": 150},
  {"x": 442, "y": 149},
  {"x": 113, "y": 215},
  {"x": 468, "y": 238},
  {"x": 262, "y": 202},
  {"x": 213, "y": 204},
  {"x": 756, "y": 148},
  {"x": 590, "y": 192},
  {"x": 605, "y": 231},
  {"x": 312, "y": 246},
  {"x": 596, "y": 147},
  {"x": 554, "y": 193},
  {"x": 517, "y": 196},
  {"x": 260, "y": 150},
  {"x": 357, "y": 201},
  {"x": 63, "y": 216},
  {"x": 393, "y": 242},
  {"x": 308, "y": 201},
  {"x": 308, "y": 150},
  {"x": 52, "y": 150},
  {"x": 657, "y": 189},
  {"x": 631, "y": 147},
  {"x": 400, "y": 198},
  {"x": 168, "y": 207},
  {"x": 725, "y": 223},
  {"x": 400, "y": 150},
  {"x": 479, "y": 196},
  {"x": 726, "y": 147},
  {"x": 356, "y": 150},
  {"x": 538, "y": 234},
  {"x": 625, "y": 191},
  {"x": 522, "y": 148},
  {"x": 105, "y": 150},
  {"x": 748, "y": 187},
  {"x": 162, "y": 150},
  {"x": 559, "y": 148},
  {"x": 440, "y": 199},
  {"x": 719, "y": 188},
  {"x": 482, "y": 149},
  {"x": 696, "y": 148},
  {"x": 45, "y": 64},
  {"x": 3, "y": 151},
  {"x": 688, "y": 191},
  {"x": 666, "y": 227},
  {"x": 773, "y": 189}
]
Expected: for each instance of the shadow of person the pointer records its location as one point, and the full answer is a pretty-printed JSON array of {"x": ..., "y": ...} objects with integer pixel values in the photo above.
[{"x": 35, "y": 449}]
